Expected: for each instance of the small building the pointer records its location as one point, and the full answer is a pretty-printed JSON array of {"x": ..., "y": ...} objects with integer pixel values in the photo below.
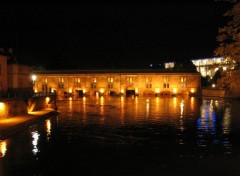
[
  {"x": 117, "y": 82},
  {"x": 14, "y": 77}
]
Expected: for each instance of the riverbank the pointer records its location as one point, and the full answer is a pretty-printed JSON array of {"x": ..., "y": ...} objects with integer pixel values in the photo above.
[{"x": 13, "y": 125}]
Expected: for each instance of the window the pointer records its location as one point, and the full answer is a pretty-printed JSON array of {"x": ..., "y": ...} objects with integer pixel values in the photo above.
[
  {"x": 110, "y": 79},
  {"x": 148, "y": 85},
  {"x": 165, "y": 79},
  {"x": 60, "y": 85},
  {"x": 61, "y": 80},
  {"x": 129, "y": 79},
  {"x": 110, "y": 85},
  {"x": 94, "y": 80},
  {"x": 77, "y": 80},
  {"x": 148, "y": 82},
  {"x": 94, "y": 85},
  {"x": 166, "y": 85},
  {"x": 183, "y": 80}
]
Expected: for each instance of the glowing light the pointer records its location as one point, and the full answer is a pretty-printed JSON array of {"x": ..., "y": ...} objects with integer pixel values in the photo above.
[
  {"x": 3, "y": 148},
  {"x": 2, "y": 106},
  {"x": 136, "y": 90},
  {"x": 35, "y": 90},
  {"x": 157, "y": 90},
  {"x": 192, "y": 90},
  {"x": 122, "y": 91},
  {"x": 70, "y": 90},
  {"x": 84, "y": 90},
  {"x": 182, "y": 106},
  {"x": 101, "y": 90},
  {"x": 48, "y": 128},
  {"x": 213, "y": 85},
  {"x": 34, "y": 77},
  {"x": 47, "y": 100},
  {"x": 35, "y": 136},
  {"x": 147, "y": 100},
  {"x": 174, "y": 90}
]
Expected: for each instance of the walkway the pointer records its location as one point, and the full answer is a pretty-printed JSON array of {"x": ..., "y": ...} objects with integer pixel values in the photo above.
[{"x": 16, "y": 124}]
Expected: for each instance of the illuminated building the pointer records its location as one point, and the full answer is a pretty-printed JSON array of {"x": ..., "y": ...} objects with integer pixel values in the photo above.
[
  {"x": 209, "y": 66},
  {"x": 117, "y": 82}
]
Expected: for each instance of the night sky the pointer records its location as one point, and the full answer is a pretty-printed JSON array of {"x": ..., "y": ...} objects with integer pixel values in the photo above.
[{"x": 117, "y": 35}]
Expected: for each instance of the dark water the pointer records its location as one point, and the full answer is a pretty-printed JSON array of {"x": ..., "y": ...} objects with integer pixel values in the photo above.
[{"x": 130, "y": 136}]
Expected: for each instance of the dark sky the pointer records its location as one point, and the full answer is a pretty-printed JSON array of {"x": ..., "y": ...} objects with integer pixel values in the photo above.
[{"x": 116, "y": 35}]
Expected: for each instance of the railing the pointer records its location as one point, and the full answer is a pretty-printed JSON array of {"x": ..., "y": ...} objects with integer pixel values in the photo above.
[{"x": 15, "y": 95}]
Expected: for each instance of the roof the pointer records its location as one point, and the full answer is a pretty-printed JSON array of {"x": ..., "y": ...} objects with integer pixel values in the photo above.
[{"x": 112, "y": 71}]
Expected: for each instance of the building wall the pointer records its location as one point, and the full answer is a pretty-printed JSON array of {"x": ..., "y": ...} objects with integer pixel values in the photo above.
[
  {"x": 3, "y": 73},
  {"x": 19, "y": 77},
  {"x": 118, "y": 83}
]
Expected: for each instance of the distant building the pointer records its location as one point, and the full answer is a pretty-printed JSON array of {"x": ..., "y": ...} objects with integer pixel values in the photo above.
[
  {"x": 14, "y": 77},
  {"x": 209, "y": 66},
  {"x": 117, "y": 82}
]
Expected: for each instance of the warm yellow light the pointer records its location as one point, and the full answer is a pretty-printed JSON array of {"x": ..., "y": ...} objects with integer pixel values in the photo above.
[
  {"x": 3, "y": 148},
  {"x": 70, "y": 98},
  {"x": 174, "y": 90},
  {"x": 84, "y": 90},
  {"x": 2, "y": 106},
  {"x": 35, "y": 90},
  {"x": 101, "y": 90},
  {"x": 192, "y": 90},
  {"x": 157, "y": 90},
  {"x": 122, "y": 90},
  {"x": 34, "y": 77},
  {"x": 136, "y": 90},
  {"x": 47, "y": 100},
  {"x": 213, "y": 85},
  {"x": 70, "y": 90}
]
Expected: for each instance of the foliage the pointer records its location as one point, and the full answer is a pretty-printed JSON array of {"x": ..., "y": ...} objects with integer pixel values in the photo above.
[
  {"x": 229, "y": 46},
  {"x": 229, "y": 35}
]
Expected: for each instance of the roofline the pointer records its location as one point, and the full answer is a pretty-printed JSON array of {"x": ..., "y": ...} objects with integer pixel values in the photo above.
[{"x": 111, "y": 71}]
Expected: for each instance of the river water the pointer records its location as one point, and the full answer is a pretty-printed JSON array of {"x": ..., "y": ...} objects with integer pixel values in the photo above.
[{"x": 129, "y": 136}]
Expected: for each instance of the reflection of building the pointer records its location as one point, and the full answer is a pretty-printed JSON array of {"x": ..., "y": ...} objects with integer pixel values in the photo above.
[
  {"x": 117, "y": 82},
  {"x": 209, "y": 66}
]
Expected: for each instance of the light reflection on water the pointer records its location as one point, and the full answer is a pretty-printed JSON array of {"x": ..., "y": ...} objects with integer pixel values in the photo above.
[{"x": 153, "y": 129}]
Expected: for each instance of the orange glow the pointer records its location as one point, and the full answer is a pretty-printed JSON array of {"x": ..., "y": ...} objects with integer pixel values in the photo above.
[
  {"x": 157, "y": 90},
  {"x": 3, "y": 148},
  {"x": 122, "y": 90},
  {"x": 84, "y": 90},
  {"x": 2, "y": 106},
  {"x": 35, "y": 90},
  {"x": 174, "y": 90},
  {"x": 47, "y": 100},
  {"x": 192, "y": 90},
  {"x": 101, "y": 90},
  {"x": 70, "y": 90},
  {"x": 136, "y": 90}
]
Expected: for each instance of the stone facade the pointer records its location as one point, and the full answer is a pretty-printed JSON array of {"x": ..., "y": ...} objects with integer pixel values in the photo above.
[{"x": 117, "y": 82}]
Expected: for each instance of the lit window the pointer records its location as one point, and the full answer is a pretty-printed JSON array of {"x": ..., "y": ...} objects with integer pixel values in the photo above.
[
  {"x": 183, "y": 79},
  {"x": 129, "y": 79},
  {"x": 110, "y": 79},
  {"x": 77, "y": 80},
  {"x": 60, "y": 80},
  {"x": 165, "y": 79},
  {"x": 148, "y": 80},
  {"x": 94, "y": 80}
]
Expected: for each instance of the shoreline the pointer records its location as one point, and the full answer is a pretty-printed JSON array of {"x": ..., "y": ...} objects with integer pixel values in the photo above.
[{"x": 13, "y": 125}]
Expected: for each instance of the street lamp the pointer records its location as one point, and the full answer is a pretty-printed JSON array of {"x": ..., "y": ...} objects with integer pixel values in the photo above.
[{"x": 34, "y": 77}]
